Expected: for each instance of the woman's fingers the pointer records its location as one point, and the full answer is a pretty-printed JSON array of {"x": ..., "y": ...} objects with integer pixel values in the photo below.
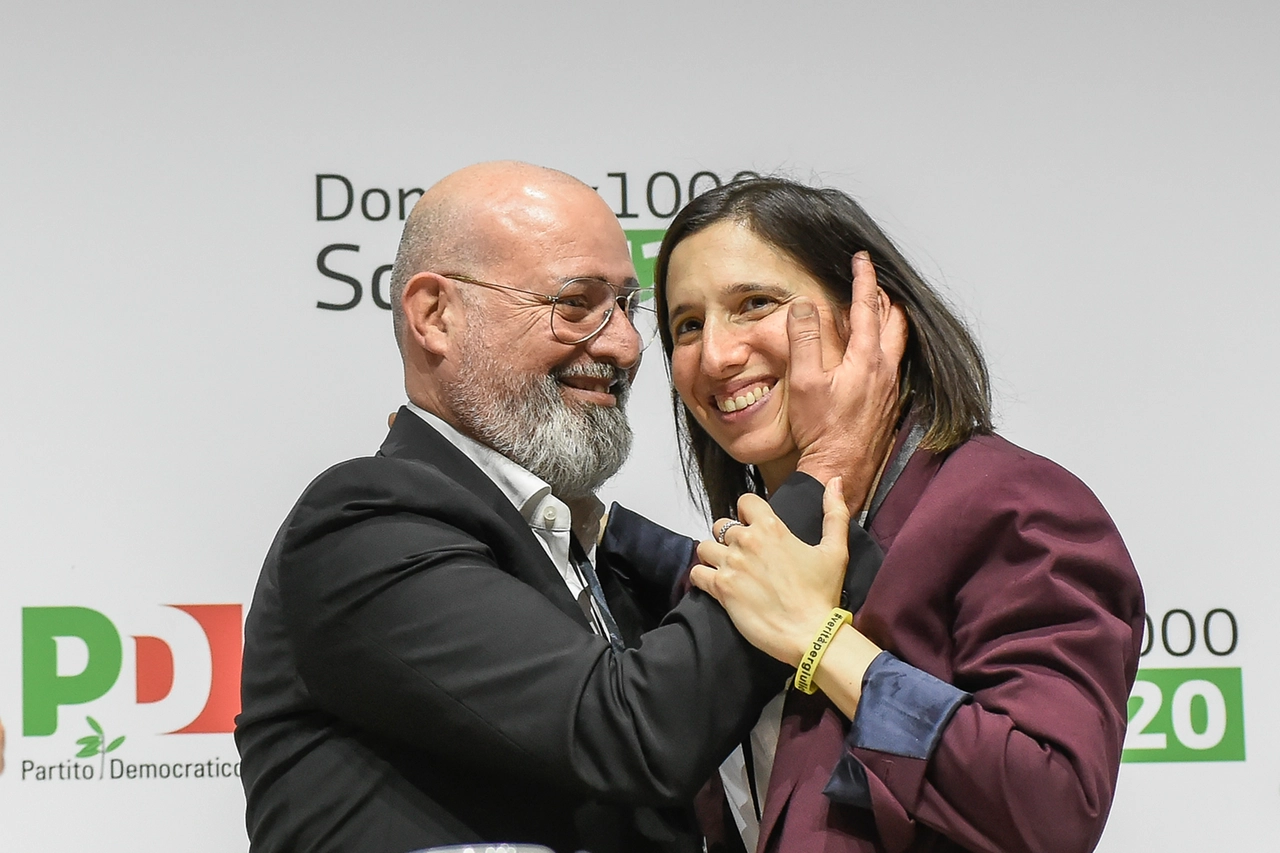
[
  {"x": 835, "y": 520},
  {"x": 704, "y": 578},
  {"x": 753, "y": 509},
  {"x": 774, "y": 586},
  {"x": 712, "y": 553}
]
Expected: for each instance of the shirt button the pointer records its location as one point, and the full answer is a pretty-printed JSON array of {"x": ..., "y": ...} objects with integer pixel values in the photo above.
[{"x": 549, "y": 515}]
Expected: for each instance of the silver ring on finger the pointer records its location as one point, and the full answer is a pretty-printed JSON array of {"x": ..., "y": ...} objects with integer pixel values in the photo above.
[{"x": 724, "y": 528}]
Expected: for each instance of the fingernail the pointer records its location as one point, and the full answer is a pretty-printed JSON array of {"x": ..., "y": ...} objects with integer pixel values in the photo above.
[
  {"x": 802, "y": 308},
  {"x": 864, "y": 254}
]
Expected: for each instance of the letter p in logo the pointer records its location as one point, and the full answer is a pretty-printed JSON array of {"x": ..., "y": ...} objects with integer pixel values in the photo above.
[{"x": 43, "y": 689}]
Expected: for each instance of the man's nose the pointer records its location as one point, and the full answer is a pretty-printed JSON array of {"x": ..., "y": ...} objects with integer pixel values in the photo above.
[{"x": 617, "y": 341}]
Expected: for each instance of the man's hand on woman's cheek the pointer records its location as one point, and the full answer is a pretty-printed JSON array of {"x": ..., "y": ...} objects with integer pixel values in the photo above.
[{"x": 842, "y": 416}]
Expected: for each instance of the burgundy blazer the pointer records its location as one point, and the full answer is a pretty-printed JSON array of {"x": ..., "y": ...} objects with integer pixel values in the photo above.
[{"x": 1005, "y": 577}]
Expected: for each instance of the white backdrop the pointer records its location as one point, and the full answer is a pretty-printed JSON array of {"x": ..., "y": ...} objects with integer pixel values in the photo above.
[{"x": 1093, "y": 185}]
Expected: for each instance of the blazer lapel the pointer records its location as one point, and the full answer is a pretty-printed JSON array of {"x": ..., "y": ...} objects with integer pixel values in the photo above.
[
  {"x": 906, "y": 492},
  {"x": 789, "y": 760},
  {"x": 413, "y": 438},
  {"x": 798, "y": 815}
]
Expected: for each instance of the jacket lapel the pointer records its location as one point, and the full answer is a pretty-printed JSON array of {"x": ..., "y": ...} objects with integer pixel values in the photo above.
[
  {"x": 906, "y": 492},
  {"x": 414, "y": 439},
  {"x": 786, "y": 766}
]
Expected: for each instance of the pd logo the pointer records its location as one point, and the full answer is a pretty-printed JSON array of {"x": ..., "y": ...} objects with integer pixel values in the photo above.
[{"x": 74, "y": 656}]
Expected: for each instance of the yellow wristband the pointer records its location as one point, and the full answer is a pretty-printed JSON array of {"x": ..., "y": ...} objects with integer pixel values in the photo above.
[{"x": 809, "y": 663}]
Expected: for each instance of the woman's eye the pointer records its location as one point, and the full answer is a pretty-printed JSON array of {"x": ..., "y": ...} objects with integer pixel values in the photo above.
[
  {"x": 684, "y": 327},
  {"x": 758, "y": 304}
]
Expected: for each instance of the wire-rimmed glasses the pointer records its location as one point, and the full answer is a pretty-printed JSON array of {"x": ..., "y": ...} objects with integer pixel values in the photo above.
[{"x": 581, "y": 308}]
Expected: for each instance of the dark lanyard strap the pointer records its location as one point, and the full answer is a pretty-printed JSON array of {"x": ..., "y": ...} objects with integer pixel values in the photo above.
[
  {"x": 597, "y": 592},
  {"x": 891, "y": 473},
  {"x": 749, "y": 760}
]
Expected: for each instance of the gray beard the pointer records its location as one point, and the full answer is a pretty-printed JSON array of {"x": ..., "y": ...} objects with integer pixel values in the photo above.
[{"x": 573, "y": 449}]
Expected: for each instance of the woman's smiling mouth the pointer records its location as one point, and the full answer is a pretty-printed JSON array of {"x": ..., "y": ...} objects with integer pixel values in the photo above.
[{"x": 747, "y": 397}]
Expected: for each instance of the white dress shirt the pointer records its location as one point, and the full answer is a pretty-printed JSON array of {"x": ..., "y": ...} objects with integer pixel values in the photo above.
[{"x": 737, "y": 784}]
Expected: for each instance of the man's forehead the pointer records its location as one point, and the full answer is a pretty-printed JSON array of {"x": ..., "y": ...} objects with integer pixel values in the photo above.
[
  {"x": 533, "y": 209},
  {"x": 569, "y": 241}
]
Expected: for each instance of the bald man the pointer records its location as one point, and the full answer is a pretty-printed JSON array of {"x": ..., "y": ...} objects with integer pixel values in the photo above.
[{"x": 430, "y": 657}]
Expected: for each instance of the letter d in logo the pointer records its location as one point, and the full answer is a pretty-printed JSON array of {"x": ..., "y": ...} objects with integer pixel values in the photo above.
[
  {"x": 43, "y": 690},
  {"x": 222, "y": 626}
]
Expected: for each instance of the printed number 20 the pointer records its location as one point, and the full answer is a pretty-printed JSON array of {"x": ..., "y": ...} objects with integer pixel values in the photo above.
[{"x": 1204, "y": 715}]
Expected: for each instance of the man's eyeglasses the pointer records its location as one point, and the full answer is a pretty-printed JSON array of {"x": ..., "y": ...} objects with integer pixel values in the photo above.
[{"x": 581, "y": 308}]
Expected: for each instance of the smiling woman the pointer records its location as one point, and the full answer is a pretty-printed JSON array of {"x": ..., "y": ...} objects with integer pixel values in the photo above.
[
  {"x": 739, "y": 251},
  {"x": 978, "y": 699},
  {"x": 729, "y": 341}
]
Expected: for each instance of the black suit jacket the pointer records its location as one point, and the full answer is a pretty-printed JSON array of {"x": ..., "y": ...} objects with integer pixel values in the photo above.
[{"x": 416, "y": 673}]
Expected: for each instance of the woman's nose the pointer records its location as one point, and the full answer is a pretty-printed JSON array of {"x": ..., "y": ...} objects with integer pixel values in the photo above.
[{"x": 724, "y": 349}]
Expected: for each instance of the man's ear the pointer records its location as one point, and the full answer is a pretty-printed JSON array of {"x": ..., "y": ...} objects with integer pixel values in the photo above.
[{"x": 431, "y": 312}]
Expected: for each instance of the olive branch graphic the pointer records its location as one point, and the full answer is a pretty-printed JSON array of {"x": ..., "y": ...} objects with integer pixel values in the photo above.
[{"x": 92, "y": 745}]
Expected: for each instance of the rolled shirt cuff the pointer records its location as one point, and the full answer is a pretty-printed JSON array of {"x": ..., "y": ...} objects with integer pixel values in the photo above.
[{"x": 903, "y": 711}]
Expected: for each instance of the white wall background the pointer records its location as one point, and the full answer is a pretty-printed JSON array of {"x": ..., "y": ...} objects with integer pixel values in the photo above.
[{"x": 1094, "y": 184}]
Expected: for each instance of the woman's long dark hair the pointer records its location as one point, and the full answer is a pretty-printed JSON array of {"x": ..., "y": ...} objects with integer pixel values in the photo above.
[{"x": 944, "y": 380}]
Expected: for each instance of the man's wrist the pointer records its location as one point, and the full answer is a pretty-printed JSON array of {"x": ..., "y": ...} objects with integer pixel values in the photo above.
[
  {"x": 819, "y": 466},
  {"x": 855, "y": 480}
]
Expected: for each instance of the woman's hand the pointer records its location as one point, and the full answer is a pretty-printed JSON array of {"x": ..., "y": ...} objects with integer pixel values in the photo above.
[
  {"x": 778, "y": 590},
  {"x": 842, "y": 415}
]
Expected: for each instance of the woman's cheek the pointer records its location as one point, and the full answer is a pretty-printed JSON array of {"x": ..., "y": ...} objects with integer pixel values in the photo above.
[{"x": 684, "y": 374}]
